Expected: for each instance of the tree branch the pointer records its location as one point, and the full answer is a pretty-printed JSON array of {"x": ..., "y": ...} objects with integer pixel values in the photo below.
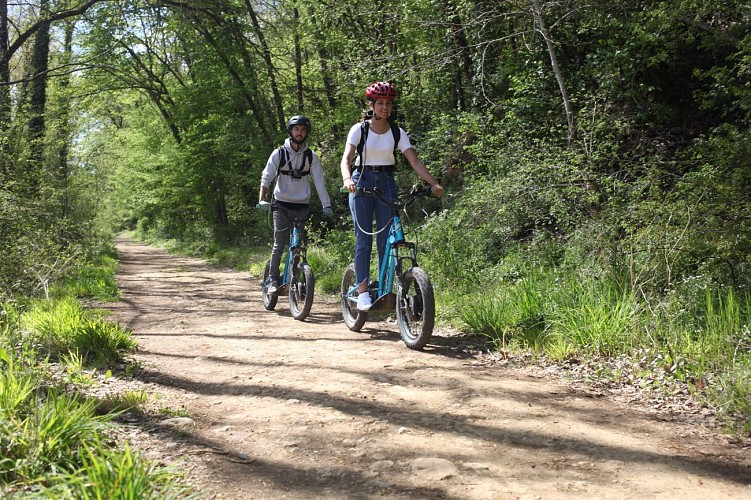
[
  {"x": 22, "y": 37},
  {"x": 709, "y": 29}
]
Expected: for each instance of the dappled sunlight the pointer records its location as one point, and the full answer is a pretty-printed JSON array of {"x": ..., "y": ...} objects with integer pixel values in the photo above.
[{"x": 309, "y": 406}]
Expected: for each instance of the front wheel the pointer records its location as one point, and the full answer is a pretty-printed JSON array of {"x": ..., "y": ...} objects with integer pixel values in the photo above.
[
  {"x": 415, "y": 308},
  {"x": 353, "y": 318},
  {"x": 301, "y": 289},
  {"x": 269, "y": 300}
]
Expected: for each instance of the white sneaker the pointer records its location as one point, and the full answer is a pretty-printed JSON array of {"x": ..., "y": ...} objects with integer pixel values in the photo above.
[
  {"x": 363, "y": 301},
  {"x": 272, "y": 288}
]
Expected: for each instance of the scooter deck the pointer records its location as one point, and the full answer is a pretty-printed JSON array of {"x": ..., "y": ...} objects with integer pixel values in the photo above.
[{"x": 385, "y": 302}]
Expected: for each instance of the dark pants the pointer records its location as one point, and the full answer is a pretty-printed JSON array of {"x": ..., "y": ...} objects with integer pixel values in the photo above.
[{"x": 283, "y": 222}]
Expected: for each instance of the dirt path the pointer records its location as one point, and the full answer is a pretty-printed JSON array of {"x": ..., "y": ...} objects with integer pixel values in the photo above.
[{"x": 286, "y": 409}]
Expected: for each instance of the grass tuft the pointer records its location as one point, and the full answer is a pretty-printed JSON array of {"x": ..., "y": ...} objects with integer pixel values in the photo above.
[
  {"x": 123, "y": 472},
  {"x": 62, "y": 326}
]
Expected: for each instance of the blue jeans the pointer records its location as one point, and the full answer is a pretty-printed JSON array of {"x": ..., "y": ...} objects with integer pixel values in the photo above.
[{"x": 363, "y": 208}]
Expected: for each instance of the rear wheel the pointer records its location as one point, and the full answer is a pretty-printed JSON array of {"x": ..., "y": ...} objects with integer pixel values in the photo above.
[
  {"x": 353, "y": 318},
  {"x": 269, "y": 301},
  {"x": 415, "y": 308},
  {"x": 301, "y": 289}
]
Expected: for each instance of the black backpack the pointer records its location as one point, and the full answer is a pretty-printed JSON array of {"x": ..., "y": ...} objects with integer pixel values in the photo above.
[
  {"x": 365, "y": 127},
  {"x": 284, "y": 161}
]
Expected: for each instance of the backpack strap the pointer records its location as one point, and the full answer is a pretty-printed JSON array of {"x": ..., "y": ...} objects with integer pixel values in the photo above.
[
  {"x": 365, "y": 127},
  {"x": 397, "y": 136},
  {"x": 284, "y": 161}
]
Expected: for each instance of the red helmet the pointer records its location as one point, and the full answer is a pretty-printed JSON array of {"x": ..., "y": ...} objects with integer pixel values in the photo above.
[{"x": 380, "y": 90}]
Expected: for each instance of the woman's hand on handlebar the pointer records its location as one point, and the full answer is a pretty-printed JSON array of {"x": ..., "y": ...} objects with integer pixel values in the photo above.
[
  {"x": 349, "y": 185},
  {"x": 426, "y": 189}
]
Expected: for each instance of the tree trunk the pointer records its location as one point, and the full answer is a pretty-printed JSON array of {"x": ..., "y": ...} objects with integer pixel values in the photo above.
[
  {"x": 222, "y": 219},
  {"x": 323, "y": 57},
  {"x": 298, "y": 62},
  {"x": 543, "y": 28},
  {"x": 4, "y": 67},
  {"x": 64, "y": 133},
  {"x": 38, "y": 91},
  {"x": 459, "y": 38},
  {"x": 4, "y": 96},
  {"x": 269, "y": 64}
]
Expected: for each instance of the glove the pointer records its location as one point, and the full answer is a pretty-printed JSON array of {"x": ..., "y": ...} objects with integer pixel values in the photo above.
[
  {"x": 328, "y": 212},
  {"x": 264, "y": 205}
]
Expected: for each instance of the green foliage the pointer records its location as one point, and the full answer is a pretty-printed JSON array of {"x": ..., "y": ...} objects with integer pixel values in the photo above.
[
  {"x": 118, "y": 475},
  {"x": 17, "y": 387},
  {"x": 326, "y": 269},
  {"x": 706, "y": 345},
  {"x": 54, "y": 435},
  {"x": 9, "y": 316},
  {"x": 490, "y": 316},
  {"x": 173, "y": 413},
  {"x": 690, "y": 229},
  {"x": 57, "y": 439},
  {"x": 731, "y": 390},
  {"x": 548, "y": 310},
  {"x": 93, "y": 278},
  {"x": 52, "y": 443},
  {"x": 511, "y": 312},
  {"x": 62, "y": 325},
  {"x": 121, "y": 402},
  {"x": 711, "y": 335},
  {"x": 42, "y": 431},
  {"x": 595, "y": 317},
  {"x": 36, "y": 248}
]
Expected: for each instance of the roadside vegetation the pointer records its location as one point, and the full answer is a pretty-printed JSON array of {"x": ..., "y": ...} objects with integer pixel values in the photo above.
[{"x": 55, "y": 439}]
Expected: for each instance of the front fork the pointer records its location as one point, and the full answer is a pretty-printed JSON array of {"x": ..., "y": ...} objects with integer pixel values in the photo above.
[
  {"x": 398, "y": 261},
  {"x": 411, "y": 262}
]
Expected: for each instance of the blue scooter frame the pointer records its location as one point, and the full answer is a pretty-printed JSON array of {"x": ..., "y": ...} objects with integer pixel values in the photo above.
[
  {"x": 297, "y": 279},
  {"x": 405, "y": 288}
]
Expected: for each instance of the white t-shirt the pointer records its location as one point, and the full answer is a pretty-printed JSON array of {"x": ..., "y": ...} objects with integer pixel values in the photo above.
[{"x": 378, "y": 148}]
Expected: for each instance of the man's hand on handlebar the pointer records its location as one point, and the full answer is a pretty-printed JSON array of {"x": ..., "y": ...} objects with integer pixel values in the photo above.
[{"x": 264, "y": 205}]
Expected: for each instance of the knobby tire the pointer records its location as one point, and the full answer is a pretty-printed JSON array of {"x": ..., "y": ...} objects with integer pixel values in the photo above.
[
  {"x": 301, "y": 290},
  {"x": 353, "y": 318},
  {"x": 415, "y": 308},
  {"x": 269, "y": 301}
]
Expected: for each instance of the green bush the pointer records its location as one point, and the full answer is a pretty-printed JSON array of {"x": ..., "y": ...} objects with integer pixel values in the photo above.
[{"x": 38, "y": 248}]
